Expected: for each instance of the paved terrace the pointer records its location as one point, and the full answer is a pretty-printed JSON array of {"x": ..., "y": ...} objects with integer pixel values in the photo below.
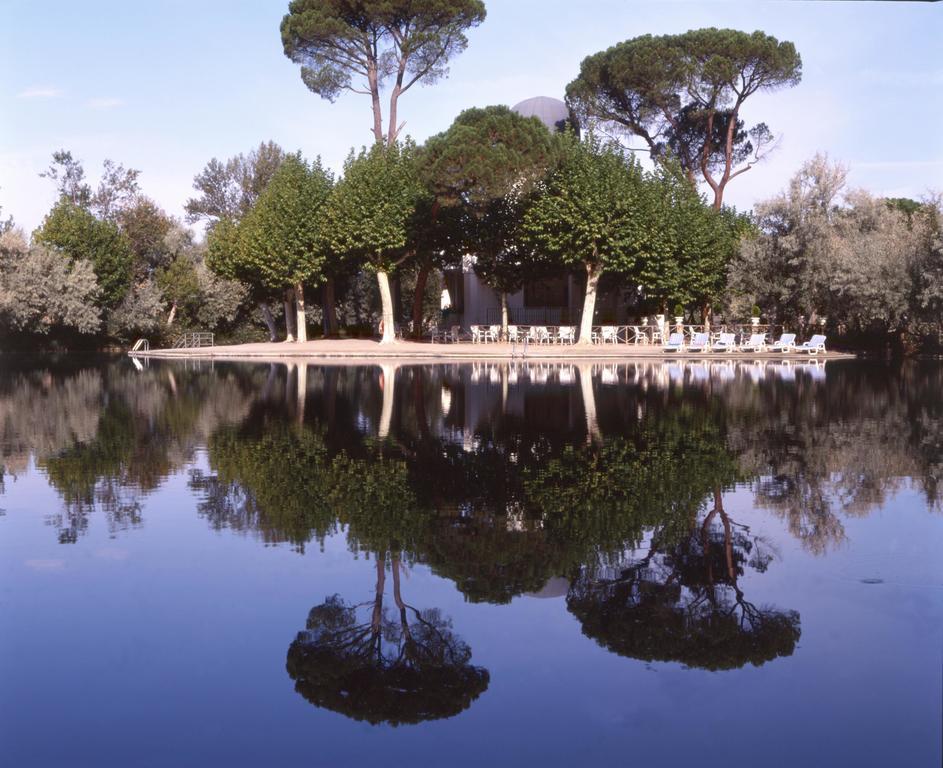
[{"x": 368, "y": 350}]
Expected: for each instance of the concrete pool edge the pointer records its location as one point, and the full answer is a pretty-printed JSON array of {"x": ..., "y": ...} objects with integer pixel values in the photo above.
[{"x": 370, "y": 351}]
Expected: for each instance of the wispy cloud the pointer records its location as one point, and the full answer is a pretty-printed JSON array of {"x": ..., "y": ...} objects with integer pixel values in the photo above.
[
  {"x": 40, "y": 92},
  {"x": 105, "y": 102}
]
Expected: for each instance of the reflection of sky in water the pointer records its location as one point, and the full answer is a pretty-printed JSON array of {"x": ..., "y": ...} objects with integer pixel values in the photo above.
[{"x": 158, "y": 639}]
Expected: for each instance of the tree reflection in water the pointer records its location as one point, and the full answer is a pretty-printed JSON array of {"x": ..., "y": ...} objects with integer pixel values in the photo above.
[
  {"x": 499, "y": 478},
  {"x": 369, "y": 664},
  {"x": 682, "y": 601}
]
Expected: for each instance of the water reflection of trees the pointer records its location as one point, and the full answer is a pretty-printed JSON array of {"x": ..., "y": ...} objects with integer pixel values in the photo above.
[
  {"x": 498, "y": 478},
  {"x": 106, "y": 435},
  {"x": 817, "y": 454},
  {"x": 815, "y": 449},
  {"x": 370, "y": 664},
  {"x": 682, "y": 601}
]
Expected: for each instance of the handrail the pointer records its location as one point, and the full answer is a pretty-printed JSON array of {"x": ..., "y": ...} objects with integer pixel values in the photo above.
[
  {"x": 141, "y": 345},
  {"x": 194, "y": 339}
]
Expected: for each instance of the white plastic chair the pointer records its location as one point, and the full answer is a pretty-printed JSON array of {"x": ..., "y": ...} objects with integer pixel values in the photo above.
[{"x": 609, "y": 334}]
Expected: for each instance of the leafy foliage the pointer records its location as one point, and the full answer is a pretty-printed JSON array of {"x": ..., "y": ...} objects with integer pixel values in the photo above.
[
  {"x": 359, "y": 46},
  {"x": 822, "y": 251},
  {"x": 40, "y": 291},
  {"x": 140, "y": 313},
  {"x": 595, "y": 209},
  {"x": 228, "y": 189},
  {"x": 483, "y": 167},
  {"x": 682, "y": 95},
  {"x": 371, "y": 209},
  {"x": 79, "y": 236},
  {"x": 701, "y": 244},
  {"x": 282, "y": 238}
]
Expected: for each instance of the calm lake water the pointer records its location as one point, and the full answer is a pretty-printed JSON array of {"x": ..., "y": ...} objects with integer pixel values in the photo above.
[{"x": 659, "y": 565}]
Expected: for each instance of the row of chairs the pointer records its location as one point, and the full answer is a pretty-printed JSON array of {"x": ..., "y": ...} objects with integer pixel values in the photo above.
[
  {"x": 727, "y": 342},
  {"x": 535, "y": 334}
]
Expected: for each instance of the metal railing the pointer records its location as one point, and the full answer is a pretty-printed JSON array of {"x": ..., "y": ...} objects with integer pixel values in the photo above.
[
  {"x": 141, "y": 345},
  {"x": 188, "y": 340}
]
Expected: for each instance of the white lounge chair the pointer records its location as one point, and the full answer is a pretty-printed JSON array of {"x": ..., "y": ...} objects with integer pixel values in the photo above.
[
  {"x": 814, "y": 345},
  {"x": 567, "y": 334},
  {"x": 786, "y": 343},
  {"x": 478, "y": 334},
  {"x": 726, "y": 343},
  {"x": 493, "y": 333},
  {"x": 701, "y": 342},
  {"x": 675, "y": 343},
  {"x": 541, "y": 334},
  {"x": 756, "y": 343},
  {"x": 514, "y": 334}
]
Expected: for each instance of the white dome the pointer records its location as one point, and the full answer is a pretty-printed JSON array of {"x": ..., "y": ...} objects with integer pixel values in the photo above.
[{"x": 551, "y": 112}]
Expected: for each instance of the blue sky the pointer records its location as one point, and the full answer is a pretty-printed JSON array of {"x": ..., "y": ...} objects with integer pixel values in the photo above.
[{"x": 164, "y": 86}]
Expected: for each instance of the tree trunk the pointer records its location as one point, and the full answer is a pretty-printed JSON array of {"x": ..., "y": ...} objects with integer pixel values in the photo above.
[
  {"x": 172, "y": 315},
  {"x": 419, "y": 296},
  {"x": 301, "y": 326},
  {"x": 269, "y": 382},
  {"x": 386, "y": 302},
  {"x": 289, "y": 383},
  {"x": 593, "y": 434},
  {"x": 593, "y": 273},
  {"x": 289, "y": 317},
  {"x": 706, "y": 314},
  {"x": 329, "y": 312},
  {"x": 373, "y": 80},
  {"x": 397, "y": 593},
  {"x": 504, "y": 315},
  {"x": 378, "y": 594},
  {"x": 302, "y": 393},
  {"x": 269, "y": 321},
  {"x": 388, "y": 381}
]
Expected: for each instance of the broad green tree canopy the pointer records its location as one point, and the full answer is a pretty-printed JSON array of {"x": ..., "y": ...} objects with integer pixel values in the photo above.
[
  {"x": 486, "y": 153},
  {"x": 282, "y": 237},
  {"x": 78, "y": 235},
  {"x": 596, "y": 211},
  {"x": 485, "y": 164},
  {"x": 369, "y": 213}
]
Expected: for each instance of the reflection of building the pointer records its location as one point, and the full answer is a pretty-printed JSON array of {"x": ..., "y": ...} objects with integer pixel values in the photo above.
[{"x": 552, "y": 300}]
